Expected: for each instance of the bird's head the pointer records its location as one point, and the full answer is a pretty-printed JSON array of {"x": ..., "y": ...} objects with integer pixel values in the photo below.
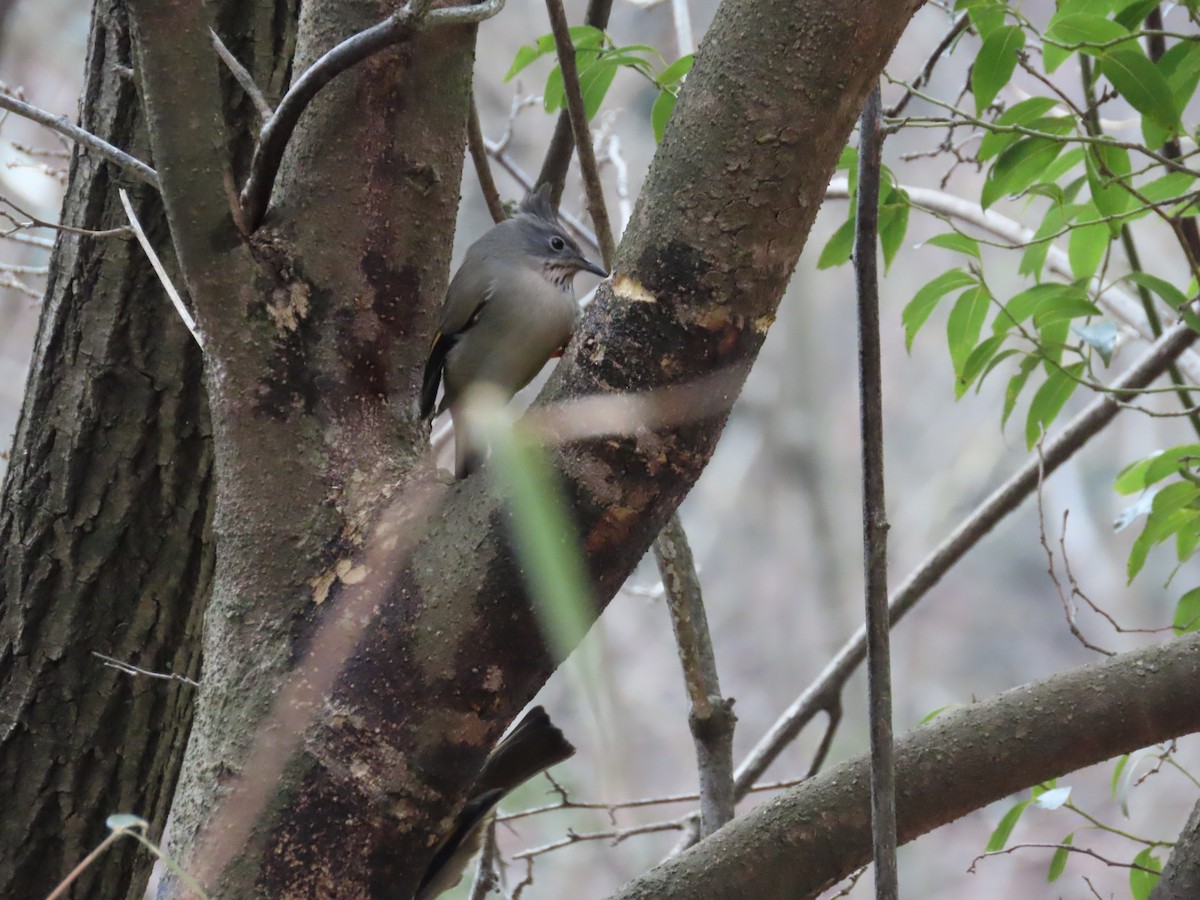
[{"x": 546, "y": 243}]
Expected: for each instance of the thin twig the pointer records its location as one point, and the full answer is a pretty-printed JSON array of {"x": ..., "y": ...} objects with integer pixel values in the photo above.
[
  {"x": 1074, "y": 435},
  {"x": 579, "y": 126},
  {"x": 63, "y": 126},
  {"x": 243, "y": 78},
  {"x": 274, "y": 137},
  {"x": 176, "y": 300},
  {"x": 711, "y": 716},
  {"x": 616, "y": 835},
  {"x": 479, "y": 156},
  {"x": 130, "y": 669},
  {"x": 960, "y": 25},
  {"x": 35, "y": 222},
  {"x": 1070, "y": 848},
  {"x": 874, "y": 511},
  {"x": 562, "y": 142}
]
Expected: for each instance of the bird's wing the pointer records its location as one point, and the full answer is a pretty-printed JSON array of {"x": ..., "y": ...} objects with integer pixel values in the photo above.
[{"x": 465, "y": 300}]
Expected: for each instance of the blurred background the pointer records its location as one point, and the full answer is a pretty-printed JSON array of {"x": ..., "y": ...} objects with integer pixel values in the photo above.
[{"x": 774, "y": 521}]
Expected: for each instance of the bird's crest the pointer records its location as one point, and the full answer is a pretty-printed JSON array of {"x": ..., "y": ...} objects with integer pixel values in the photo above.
[{"x": 537, "y": 203}]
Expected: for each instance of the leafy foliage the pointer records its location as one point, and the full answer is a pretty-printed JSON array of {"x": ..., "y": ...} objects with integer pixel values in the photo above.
[{"x": 598, "y": 59}]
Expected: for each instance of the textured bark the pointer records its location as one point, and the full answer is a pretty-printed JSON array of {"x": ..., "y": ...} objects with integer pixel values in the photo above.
[
  {"x": 103, "y": 529},
  {"x": 105, "y": 520},
  {"x": 815, "y": 834},
  {"x": 1181, "y": 875}
]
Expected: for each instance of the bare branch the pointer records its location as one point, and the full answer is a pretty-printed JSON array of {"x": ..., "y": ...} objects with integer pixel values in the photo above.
[
  {"x": 562, "y": 143},
  {"x": 711, "y": 717},
  {"x": 243, "y": 78},
  {"x": 579, "y": 126},
  {"x": 130, "y": 669},
  {"x": 62, "y": 125},
  {"x": 1070, "y": 848},
  {"x": 959, "y": 26},
  {"x": 483, "y": 168},
  {"x": 1004, "y": 500},
  {"x": 176, "y": 300},
  {"x": 400, "y": 26},
  {"x": 874, "y": 511}
]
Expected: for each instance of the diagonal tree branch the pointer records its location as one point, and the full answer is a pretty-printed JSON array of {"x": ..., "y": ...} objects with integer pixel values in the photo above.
[
  {"x": 67, "y": 129},
  {"x": 1091, "y": 421},
  {"x": 957, "y": 763},
  {"x": 562, "y": 142}
]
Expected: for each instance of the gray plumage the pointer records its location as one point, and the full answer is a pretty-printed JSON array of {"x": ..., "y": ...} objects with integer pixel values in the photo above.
[{"x": 510, "y": 307}]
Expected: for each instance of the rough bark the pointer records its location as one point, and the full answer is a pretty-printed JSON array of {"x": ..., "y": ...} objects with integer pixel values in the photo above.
[
  {"x": 1181, "y": 875},
  {"x": 103, "y": 528},
  {"x": 105, "y": 519},
  {"x": 815, "y": 834}
]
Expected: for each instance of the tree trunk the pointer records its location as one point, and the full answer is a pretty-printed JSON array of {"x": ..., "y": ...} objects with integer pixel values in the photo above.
[{"x": 105, "y": 519}]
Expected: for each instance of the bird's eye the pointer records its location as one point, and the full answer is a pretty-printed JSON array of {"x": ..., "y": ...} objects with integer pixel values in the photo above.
[{"x": 557, "y": 243}]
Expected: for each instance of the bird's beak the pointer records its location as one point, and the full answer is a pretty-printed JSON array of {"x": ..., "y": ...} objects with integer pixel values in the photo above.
[{"x": 586, "y": 265}]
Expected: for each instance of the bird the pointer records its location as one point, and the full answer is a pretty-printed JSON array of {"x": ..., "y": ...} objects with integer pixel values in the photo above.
[
  {"x": 509, "y": 309},
  {"x": 533, "y": 745}
]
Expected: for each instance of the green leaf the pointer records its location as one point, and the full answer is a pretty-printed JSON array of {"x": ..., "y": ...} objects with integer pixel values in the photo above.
[
  {"x": 1086, "y": 248},
  {"x": 986, "y": 17},
  {"x": 1034, "y": 257},
  {"x": 1140, "y": 84},
  {"x": 957, "y": 242},
  {"x": 1141, "y": 883},
  {"x": 544, "y": 535},
  {"x": 927, "y": 298},
  {"x": 1064, "y": 309},
  {"x": 1036, "y": 300},
  {"x": 995, "y": 63},
  {"x": 1058, "y": 862},
  {"x": 1135, "y": 13},
  {"x": 1107, "y": 166},
  {"x": 1024, "y": 113},
  {"x": 1049, "y": 400},
  {"x": 524, "y": 56},
  {"x": 581, "y": 36},
  {"x": 554, "y": 93},
  {"x": 839, "y": 247},
  {"x": 1169, "y": 512},
  {"x": 1009, "y": 821},
  {"x": 1018, "y": 167},
  {"x": 594, "y": 82},
  {"x": 1187, "y": 612},
  {"x": 1170, "y": 294},
  {"x": 1078, "y": 28},
  {"x": 1053, "y": 336},
  {"x": 674, "y": 74},
  {"x": 965, "y": 323},
  {"x": 977, "y": 362},
  {"x": 1015, "y": 385},
  {"x": 660, "y": 114},
  {"x": 893, "y": 224},
  {"x": 1117, "y": 769}
]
